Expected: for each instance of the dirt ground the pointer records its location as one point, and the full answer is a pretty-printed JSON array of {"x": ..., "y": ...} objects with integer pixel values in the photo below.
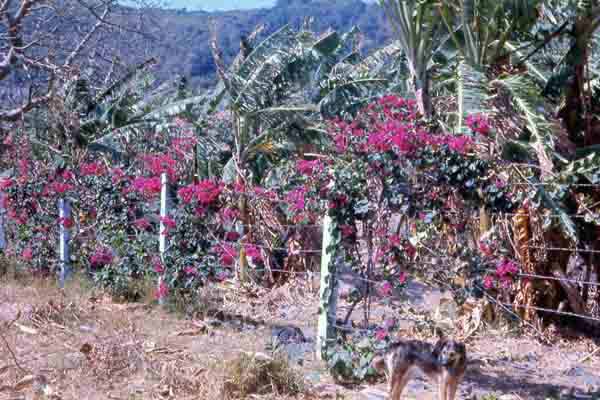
[{"x": 80, "y": 345}]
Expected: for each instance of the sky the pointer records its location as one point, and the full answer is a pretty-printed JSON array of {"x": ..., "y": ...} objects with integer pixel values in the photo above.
[{"x": 211, "y": 5}]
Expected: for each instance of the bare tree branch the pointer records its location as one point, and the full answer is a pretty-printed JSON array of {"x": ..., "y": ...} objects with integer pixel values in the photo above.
[
  {"x": 46, "y": 43},
  {"x": 86, "y": 39}
]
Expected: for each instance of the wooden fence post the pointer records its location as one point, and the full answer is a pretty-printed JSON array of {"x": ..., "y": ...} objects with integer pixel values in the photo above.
[
  {"x": 64, "y": 213},
  {"x": 328, "y": 292},
  {"x": 162, "y": 235}
]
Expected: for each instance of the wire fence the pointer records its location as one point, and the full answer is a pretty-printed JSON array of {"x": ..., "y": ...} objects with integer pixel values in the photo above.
[{"x": 273, "y": 198}]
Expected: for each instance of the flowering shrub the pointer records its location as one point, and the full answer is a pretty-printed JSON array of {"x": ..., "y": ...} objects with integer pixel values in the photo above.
[
  {"x": 506, "y": 270},
  {"x": 115, "y": 218},
  {"x": 384, "y": 161},
  {"x": 388, "y": 161}
]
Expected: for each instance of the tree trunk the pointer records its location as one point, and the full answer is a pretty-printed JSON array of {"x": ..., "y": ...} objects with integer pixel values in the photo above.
[
  {"x": 526, "y": 291},
  {"x": 576, "y": 62},
  {"x": 423, "y": 97}
]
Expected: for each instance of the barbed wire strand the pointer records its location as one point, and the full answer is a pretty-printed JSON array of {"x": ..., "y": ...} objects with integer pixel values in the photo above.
[
  {"x": 319, "y": 251},
  {"x": 551, "y": 311},
  {"x": 590, "y": 251},
  {"x": 511, "y": 312}
]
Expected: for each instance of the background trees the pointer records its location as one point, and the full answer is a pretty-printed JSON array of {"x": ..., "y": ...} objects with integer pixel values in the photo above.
[{"x": 45, "y": 44}]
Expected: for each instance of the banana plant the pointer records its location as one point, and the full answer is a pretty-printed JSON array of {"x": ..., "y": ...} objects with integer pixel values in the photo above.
[
  {"x": 87, "y": 119},
  {"x": 279, "y": 90},
  {"x": 480, "y": 29},
  {"x": 419, "y": 30}
]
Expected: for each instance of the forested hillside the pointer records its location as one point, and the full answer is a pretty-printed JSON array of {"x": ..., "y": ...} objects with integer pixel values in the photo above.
[{"x": 185, "y": 37}]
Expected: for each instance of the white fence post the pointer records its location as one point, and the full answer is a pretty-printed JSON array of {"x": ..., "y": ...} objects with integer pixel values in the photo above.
[
  {"x": 64, "y": 213},
  {"x": 162, "y": 235},
  {"x": 2, "y": 213},
  {"x": 327, "y": 296}
]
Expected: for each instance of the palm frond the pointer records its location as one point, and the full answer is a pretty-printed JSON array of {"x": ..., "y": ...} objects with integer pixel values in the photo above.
[
  {"x": 528, "y": 102},
  {"x": 253, "y": 80},
  {"x": 471, "y": 85}
]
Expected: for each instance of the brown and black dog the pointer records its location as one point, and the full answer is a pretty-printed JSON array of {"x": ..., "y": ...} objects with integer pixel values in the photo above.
[{"x": 444, "y": 362}]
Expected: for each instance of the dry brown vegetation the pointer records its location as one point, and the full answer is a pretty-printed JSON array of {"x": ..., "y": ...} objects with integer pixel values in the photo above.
[
  {"x": 80, "y": 344},
  {"x": 72, "y": 344}
]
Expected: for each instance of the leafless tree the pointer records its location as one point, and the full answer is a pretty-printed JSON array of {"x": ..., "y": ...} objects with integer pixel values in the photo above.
[{"x": 45, "y": 43}]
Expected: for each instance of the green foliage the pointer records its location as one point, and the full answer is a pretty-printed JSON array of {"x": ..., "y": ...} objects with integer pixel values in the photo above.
[
  {"x": 471, "y": 92},
  {"x": 480, "y": 29},
  {"x": 349, "y": 361},
  {"x": 527, "y": 100}
]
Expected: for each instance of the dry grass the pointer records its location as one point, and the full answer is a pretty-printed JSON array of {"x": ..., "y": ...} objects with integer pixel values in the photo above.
[
  {"x": 78, "y": 343},
  {"x": 256, "y": 373}
]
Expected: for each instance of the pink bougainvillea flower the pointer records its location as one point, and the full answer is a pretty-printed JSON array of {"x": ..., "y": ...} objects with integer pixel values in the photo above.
[
  {"x": 92, "y": 169},
  {"x": 8, "y": 140},
  {"x": 488, "y": 282},
  {"x": 239, "y": 187},
  {"x": 478, "y": 123},
  {"x": 142, "y": 223},
  {"x": 505, "y": 271},
  {"x": 209, "y": 191},
  {"x": 102, "y": 256},
  {"x": 168, "y": 223},
  {"x": 295, "y": 198},
  {"x": 347, "y": 230},
  {"x": 410, "y": 250},
  {"x": 232, "y": 236},
  {"x": 506, "y": 268},
  {"x": 190, "y": 270},
  {"x": 23, "y": 167},
  {"x": 485, "y": 248},
  {"x": 379, "y": 142},
  {"x": 460, "y": 144},
  {"x": 60, "y": 187},
  {"x": 157, "y": 265},
  {"x": 402, "y": 277},
  {"x": 5, "y": 183},
  {"x": 341, "y": 143},
  {"x": 200, "y": 211},
  {"x": 162, "y": 291},
  {"x": 187, "y": 193},
  {"x": 160, "y": 163},
  {"x": 117, "y": 175},
  {"x": 309, "y": 168},
  {"x": 147, "y": 186},
  {"x": 27, "y": 254},
  {"x": 338, "y": 202},
  {"x": 206, "y": 192},
  {"x": 385, "y": 289},
  {"x": 229, "y": 214},
  {"x": 67, "y": 223},
  {"x": 381, "y": 334},
  {"x": 226, "y": 253},
  {"x": 394, "y": 240},
  {"x": 253, "y": 252},
  {"x": 67, "y": 175},
  {"x": 403, "y": 140}
]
